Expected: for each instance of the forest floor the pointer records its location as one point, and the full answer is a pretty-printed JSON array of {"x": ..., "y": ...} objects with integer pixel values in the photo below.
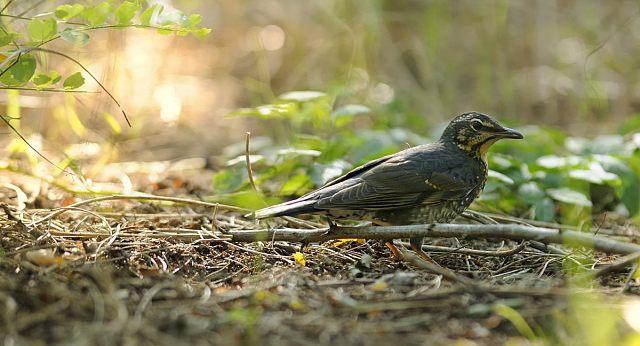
[{"x": 132, "y": 271}]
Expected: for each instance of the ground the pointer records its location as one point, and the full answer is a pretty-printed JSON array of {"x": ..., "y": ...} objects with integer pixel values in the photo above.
[{"x": 130, "y": 271}]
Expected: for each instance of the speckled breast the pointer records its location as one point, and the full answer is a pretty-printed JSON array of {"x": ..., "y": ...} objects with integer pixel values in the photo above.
[{"x": 429, "y": 213}]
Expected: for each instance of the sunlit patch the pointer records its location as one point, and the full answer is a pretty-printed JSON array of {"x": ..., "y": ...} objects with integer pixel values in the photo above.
[
  {"x": 169, "y": 102},
  {"x": 631, "y": 312},
  {"x": 272, "y": 37},
  {"x": 382, "y": 93}
]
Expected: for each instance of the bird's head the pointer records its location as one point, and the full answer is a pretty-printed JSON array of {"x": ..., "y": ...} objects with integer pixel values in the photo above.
[{"x": 475, "y": 132}]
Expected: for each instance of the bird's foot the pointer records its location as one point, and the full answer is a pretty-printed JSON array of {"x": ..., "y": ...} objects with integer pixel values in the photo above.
[
  {"x": 396, "y": 255},
  {"x": 416, "y": 246}
]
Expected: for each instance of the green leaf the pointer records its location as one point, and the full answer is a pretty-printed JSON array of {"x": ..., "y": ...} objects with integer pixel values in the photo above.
[
  {"x": 544, "y": 210},
  {"x": 530, "y": 192},
  {"x": 98, "y": 14},
  {"x": 44, "y": 79},
  {"x": 192, "y": 21},
  {"x": 553, "y": 161},
  {"x": 79, "y": 38},
  {"x": 74, "y": 81},
  {"x": 230, "y": 180},
  {"x": 55, "y": 77},
  {"x": 595, "y": 176},
  {"x": 66, "y": 12},
  {"x": 42, "y": 29},
  {"x": 302, "y": 96},
  {"x": 501, "y": 177},
  {"x": 201, "y": 32},
  {"x": 151, "y": 14},
  {"x": 6, "y": 38},
  {"x": 126, "y": 11},
  {"x": 295, "y": 183},
  {"x": 266, "y": 111},
  {"x": 351, "y": 109},
  {"x": 569, "y": 196},
  {"x": 21, "y": 72},
  {"x": 41, "y": 79}
]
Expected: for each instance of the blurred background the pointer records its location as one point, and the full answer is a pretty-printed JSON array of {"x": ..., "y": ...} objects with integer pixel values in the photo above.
[
  {"x": 570, "y": 64},
  {"x": 382, "y": 75}
]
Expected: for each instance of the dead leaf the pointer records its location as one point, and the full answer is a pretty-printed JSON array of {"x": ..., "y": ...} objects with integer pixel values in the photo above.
[
  {"x": 44, "y": 257},
  {"x": 299, "y": 258}
]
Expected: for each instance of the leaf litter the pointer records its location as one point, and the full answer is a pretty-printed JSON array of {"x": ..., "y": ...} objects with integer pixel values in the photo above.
[{"x": 129, "y": 271}]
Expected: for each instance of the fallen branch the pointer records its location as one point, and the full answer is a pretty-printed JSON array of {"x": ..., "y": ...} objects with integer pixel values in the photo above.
[
  {"x": 59, "y": 211},
  {"x": 513, "y": 232}
]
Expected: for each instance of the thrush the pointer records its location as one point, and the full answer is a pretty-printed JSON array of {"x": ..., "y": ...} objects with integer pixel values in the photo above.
[{"x": 431, "y": 183}]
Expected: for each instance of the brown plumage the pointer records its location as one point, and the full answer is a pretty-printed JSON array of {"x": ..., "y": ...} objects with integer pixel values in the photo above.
[{"x": 431, "y": 183}]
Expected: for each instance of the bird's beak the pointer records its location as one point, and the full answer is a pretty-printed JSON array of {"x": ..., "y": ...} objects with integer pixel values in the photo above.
[{"x": 510, "y": 133}]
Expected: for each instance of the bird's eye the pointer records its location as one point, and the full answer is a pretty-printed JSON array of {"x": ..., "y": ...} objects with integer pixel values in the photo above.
[{"x": 476, "y": 125}]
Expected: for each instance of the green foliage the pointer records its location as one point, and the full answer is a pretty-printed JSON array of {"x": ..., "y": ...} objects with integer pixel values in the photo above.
[
  {"x": 41, "y": 30},
  {"x": 548, "y": 176},
  {"x": 74, "y": 81},
  {"x": 73, "y": 22},
  {"x": 20, "y": 72},
  {"x": 66, "y": 12}
]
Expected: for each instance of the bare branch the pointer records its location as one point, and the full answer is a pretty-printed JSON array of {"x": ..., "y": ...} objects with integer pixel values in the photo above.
[
  {"x": 247, "y": 156},
  {"x": 513, "y": 232},
  {"x": 90, "y": 74}
]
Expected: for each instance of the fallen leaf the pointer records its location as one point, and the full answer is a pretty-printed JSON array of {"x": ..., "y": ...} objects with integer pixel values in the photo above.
[
  {"x": 44, "y": 257},
  {"x": 299, "y": 258}
]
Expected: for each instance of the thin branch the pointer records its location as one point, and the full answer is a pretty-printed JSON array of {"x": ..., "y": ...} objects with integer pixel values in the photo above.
[
  {"x": 19, "y": 54},
  {"x": 12, "y": 16},
  {"x": 247, "y": 157},
  {"x": 32, "y": 147},
  {"x": 436, "y": 269},
  {"x": 513, "y": 232},
  {"x": 90, "y": 74},
  {"x": 472, "y": 252},
  {"x": 618, "y": 265},
  {"x": 49, "y": 90},
  {"x": 6, "y": 5},
  {"x": 136, "y": 197}
]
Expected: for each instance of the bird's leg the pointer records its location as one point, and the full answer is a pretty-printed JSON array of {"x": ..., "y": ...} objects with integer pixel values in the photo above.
[
  {"x": 416, "y": 245},
  {"x": 395, "y": 253}
]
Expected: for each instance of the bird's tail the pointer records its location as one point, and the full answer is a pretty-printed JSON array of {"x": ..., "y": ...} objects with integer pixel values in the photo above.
[{"x": 284, "y": 209}]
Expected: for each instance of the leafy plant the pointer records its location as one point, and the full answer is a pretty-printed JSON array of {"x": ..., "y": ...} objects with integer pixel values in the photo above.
[
  {"x": 73, "y": 22},
  {"x": 548, "y": 176}
]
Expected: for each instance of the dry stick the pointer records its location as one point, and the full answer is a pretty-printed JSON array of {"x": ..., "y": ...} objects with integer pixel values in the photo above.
[
  {"x": 135, "y": 197},
  {"x": 248, "y": 159},
  {"x": 618, "y": 265},
  {"x": 472, "y": 252},
  {"x": 491, "y": 219},
  {"x": 436, "y": 269},
  {"x": 513, "y": 232}
]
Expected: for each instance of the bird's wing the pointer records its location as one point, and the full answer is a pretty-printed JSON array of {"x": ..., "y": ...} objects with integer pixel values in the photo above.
[{"x": 399, "y": 181}]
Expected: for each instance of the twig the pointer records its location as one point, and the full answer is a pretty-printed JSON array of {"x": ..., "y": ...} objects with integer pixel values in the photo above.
[
  {"x": 617, "y": 265},
  {"x": 248, "y": 160},
  {"x": 436, "y": 269},
  {"x": 473, "y": 252},
  {"x": 49, "y": 90},
  {"x": 135, "y": 197},
  {"x": 32, "y": 147},
  {"x": 6, "y": 5},
  {"x": 50, "y": 51},
  {"x": 513, "y": 232},
  {"x": 9, "y": 213}
]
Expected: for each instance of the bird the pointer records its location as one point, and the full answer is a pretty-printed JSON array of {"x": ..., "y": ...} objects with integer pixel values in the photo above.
[{"x": 425, "y": 184}]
